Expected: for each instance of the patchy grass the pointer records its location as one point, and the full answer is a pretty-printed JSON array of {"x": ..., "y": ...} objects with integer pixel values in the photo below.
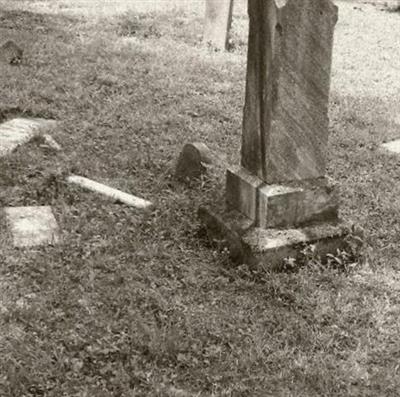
[{"x": 133, "y": 304}]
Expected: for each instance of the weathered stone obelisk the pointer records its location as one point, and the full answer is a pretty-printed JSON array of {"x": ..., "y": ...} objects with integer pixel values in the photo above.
[
  {"x": 218, "y": 19},
  {"x": 280, "y": 186}
]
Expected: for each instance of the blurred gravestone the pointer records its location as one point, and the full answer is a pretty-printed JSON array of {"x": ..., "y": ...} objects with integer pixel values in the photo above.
[
  {"x": 281, "y": 186},
  {"x": 217, "y": 23}
]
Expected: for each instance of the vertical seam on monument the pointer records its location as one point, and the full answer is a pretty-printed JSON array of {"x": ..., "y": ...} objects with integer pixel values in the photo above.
[
  {"x": 261, "y": 79},
  {"x": 261, "y": 100}
]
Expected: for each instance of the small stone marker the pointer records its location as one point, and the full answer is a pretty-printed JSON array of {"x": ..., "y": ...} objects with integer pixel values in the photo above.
[
  {"x": 32, "y": 226},
  {"x": 393, "y": 147},
  {"x": 280, "y": 186},
  {"x": 11, "y": 53},
  {"x": 218, "y": 21},
  {"x": 114, "y": 194},
  {"x": 50, "y": 142},
  {"x": 16, "y": 132},
  {"x": 194, "y": 159}
]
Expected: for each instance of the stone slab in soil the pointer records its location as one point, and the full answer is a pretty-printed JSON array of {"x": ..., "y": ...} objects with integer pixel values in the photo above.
[
  {"x": 393, "y": 147},
  {"x": 32, "y": 226},
  {"x": 18, "y": 131}
]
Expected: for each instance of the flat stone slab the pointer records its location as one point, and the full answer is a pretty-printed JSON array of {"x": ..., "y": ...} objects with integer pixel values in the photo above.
[
  {"x": 393, "y": 147},
  {"x": 16, "y": 132},
  {"x": 32, "y": 226},
  {"x": 268, "y": 248}
]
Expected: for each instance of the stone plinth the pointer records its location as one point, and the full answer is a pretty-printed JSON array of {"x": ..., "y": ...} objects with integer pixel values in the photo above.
[
  {"x": 217, "y": 23},
  {"x": 268, "y": 248},
  {"x": 280, "y": 205}
]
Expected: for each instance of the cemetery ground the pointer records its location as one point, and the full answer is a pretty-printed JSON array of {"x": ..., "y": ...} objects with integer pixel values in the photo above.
[{"x": 133, "y": 303}]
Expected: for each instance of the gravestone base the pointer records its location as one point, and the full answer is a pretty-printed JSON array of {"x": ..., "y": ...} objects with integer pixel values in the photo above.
[
  {"x": 281, "y": 205},
  {"x": 268, "y": 248}
]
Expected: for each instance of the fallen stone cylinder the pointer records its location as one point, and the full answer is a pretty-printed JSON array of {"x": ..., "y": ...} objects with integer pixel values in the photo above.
[{"x": 114, "y": 194}]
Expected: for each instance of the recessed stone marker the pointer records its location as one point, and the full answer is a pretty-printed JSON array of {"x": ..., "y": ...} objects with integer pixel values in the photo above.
[
  {"x": 11, "y": 53},
  {"x": 280, "y": 186},
  {"x": 218, "y": 22},
  {"x": 18, "y": 131},
  {"x": 32, "y": 226},
  {"x": 194, "y": 160},
  {"x": 393, "y": 146},
  {"x": 113, "y": 194}
]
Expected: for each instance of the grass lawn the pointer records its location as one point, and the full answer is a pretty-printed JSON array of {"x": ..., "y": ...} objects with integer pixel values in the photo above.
[{"x": 139, "y": 304}]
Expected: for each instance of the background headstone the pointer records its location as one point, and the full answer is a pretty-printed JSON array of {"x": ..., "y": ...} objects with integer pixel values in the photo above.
[{"x": 218, "y": 21}]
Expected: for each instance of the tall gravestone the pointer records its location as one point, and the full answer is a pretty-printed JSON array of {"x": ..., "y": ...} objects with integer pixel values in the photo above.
[
  {"x": 280, "y": 188},
  {"x": 218, "y": 20}
]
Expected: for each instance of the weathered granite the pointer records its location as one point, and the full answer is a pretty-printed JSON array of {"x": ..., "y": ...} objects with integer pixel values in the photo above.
[
  {"x": 297, "y": 205},
  {"x": 32, "y": 226},
  {"x": 280, "y": 205},
  {"x": 279, "y": 200},
  {"x": 285, "y": 126},
  {"x": 268, "y": 248},
  {"x": 218, "y": 21},
  {"x": 18, "y": 131}
]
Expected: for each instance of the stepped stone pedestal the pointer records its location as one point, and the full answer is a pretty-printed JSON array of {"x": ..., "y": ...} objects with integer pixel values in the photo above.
[{"x": 278, "y": 199}]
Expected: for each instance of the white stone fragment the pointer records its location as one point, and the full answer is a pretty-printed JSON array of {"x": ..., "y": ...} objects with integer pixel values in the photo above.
[
  {"x": 16, "y": 132},
  {"x": 393, "y": 146},
  {"x": 31, "y": 226},
  {"x": 51, "y": 142},
  {"x": 114, "y": 194}
]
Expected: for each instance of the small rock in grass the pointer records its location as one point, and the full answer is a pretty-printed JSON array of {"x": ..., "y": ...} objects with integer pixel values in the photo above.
[
  {"x": 11, "y": 53},
  {"x": 393, "y": 147},
  {"x": 50, "y": 142}
]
